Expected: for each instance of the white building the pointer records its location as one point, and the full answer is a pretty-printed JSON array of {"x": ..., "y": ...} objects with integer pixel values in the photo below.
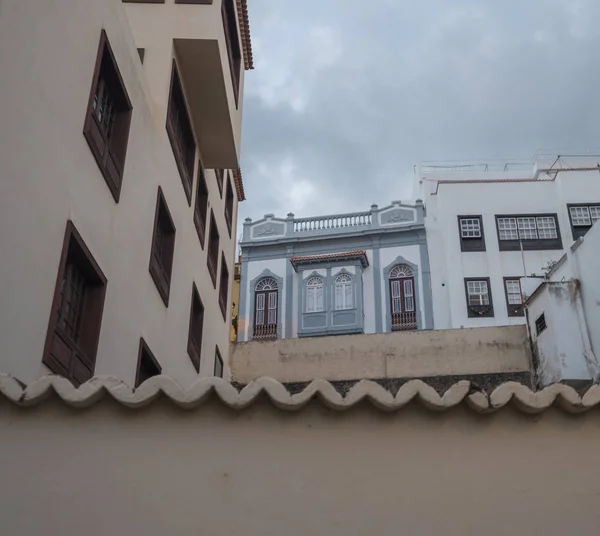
[
  {"x": 364, "y": 272},
  {"x": 564, "y": 314},
  {"x": 488, "y": 225},
  {"x": 119, "y": 184}
]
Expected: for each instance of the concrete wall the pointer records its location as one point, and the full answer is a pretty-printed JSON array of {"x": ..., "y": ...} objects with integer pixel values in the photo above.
[
  {"x": 48, "y": 176},
  {"x": 263, "y": 472},
  {"x": 388, "y": 355},
  {"x": 449, "y": 266}
]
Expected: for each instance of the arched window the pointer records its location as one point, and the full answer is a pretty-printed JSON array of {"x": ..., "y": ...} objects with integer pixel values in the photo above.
[
  {"x": 265, "y": 309},
  {"x": 402, "y": 298},
  {"x": 314, "y": 295},
  {"x": 343, "y": 292}
]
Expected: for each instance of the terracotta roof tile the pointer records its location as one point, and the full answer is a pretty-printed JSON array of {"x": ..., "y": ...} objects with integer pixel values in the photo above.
[
  {"x": 244, "y": 23},
  {"x": 360, "y": 254},
  {"x": 239, "y": 185}
]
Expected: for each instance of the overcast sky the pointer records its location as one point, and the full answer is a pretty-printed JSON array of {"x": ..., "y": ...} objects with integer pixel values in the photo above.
[{"x": 347, "y": 95}]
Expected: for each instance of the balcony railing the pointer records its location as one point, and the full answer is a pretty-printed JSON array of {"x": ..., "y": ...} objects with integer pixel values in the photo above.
[
  {"x": 357, "y": 219},
  {"x": 265, "y": 333},
  {"x": 404, "y": 321}
]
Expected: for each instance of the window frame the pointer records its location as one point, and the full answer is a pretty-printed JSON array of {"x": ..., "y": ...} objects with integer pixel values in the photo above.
[
  {"x": 156, "y": 267},
  {"x": 405, "y": 319},
  {"x": 145, "y": 352},
  {"x": 229, "y": 202},
  {"x": 529, "y": 244},
  {"x": 233, "y": 44},
  {"x": 80, "y": 354},
  {"x": 511, "y": 308},
  {"x": 213, "y": 264},
  {"x": 578, "y": 231},
  {"x": 349, "y": 283},
  {"x": 201, "y": 205},
  {"x": 220, "y": 178},
  {"x": 308, "y": 287},
  {"x": 111, "y": 159},
  {"x": 540, "y": 324},
  {"x": 224, "y": 290},
  {"x": 194, "y": 345},
  {"x": 477, "y": 311},
  {"x": 218, "y": 361},
  {"x": 265, "y": 330},
  {"x": 468, "y": 244},
  {"x": 185, "y": 162}
]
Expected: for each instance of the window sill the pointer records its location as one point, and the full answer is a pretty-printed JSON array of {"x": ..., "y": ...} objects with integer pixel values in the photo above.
[{"x": 324, "y": 332}]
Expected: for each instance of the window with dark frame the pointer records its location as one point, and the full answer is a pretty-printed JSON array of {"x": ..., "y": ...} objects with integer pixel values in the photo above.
[
  {"x": 201, "y": 207},
  {"x": 224, "y": 287},
  {"x": 232, "y": 40},
  {"x": 220, "y": 174},
  {"x": 266, "y": 305},
  {"x": 195, "y": 329},
  {"x": 76, "y": 315},
  {"x": 213, "y": 249},
  {"x": 181, "y": 135},
  {"x": 514, "y": 299},
  {"x": 479, "y": 297},
  {"x": 108, "y": 118},
  {"x": 470, "y": 231},
  {"x": 147, "y": 365},
  {"x": 533, "y": 231},
  {"x": 163, "y": 247},
  {"x": 229, "y": 205},
  {"x": 218, "y": 371},
  {"x": 540, "y": 324},
  {"x": 582, "y": 217}
]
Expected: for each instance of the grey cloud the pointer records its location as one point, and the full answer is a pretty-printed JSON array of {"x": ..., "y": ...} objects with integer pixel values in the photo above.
[{"x": 433, "y": 79}]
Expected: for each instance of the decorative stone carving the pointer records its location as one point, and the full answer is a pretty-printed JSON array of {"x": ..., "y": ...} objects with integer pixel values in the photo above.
[
  {"x": 268, "y": 229},
  {"x": 397, "y": 215}
]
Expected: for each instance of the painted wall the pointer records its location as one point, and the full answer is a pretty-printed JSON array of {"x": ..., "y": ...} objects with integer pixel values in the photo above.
[
  {"x": 449, "y": 266},
  {"x": 48, "y": 176},
  {"x": 263, "y": 472},
  {"x": 388, "y": 355}
]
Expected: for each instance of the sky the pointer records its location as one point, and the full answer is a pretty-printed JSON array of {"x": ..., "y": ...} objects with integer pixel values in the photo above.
[{"x": 348, "y": 95}]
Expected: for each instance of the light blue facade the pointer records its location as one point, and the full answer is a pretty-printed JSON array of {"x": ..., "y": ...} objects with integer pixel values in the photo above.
[{"x": 363, "y": 246}]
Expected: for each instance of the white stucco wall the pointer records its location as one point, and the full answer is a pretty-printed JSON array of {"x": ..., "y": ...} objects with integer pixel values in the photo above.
[
  {"x": 449, "y": 266},
  {"x": 263, "y": 472},
  {"x": 48, "y": 175}
]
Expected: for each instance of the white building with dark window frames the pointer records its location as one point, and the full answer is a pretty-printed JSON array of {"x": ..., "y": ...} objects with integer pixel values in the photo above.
[{"x": 488, "y": 225}]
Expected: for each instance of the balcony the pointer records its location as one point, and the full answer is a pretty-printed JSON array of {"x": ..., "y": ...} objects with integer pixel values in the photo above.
[
  {"x": 395, "y": 216},
  {"x": 212, "y": 45}
]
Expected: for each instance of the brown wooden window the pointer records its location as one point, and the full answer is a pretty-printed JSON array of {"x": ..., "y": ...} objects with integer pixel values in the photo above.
[
  {"x": 201, "y": 208},
  {"x": 403, "y": 307},
  {"x": 108, "y": 118},
  {"x": 141, "y": 54},
  {"x": 266, "y": 303},
  {"x": 213, "y": 249},
  {"x": 218, "y": 372},
  {"x": 147, "y": 365},
  {"x": 76, "y": 315},
  {"x": 195, "y": 329},
  {"x": 229, "y": 205},
  {"x": 163, "y": 246},
  {"x": 224, "y": 287},
  {"x": 219, "y": 174},
  {"x": 234, "y": 52},
  {"x": 181, "y": 136}
]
